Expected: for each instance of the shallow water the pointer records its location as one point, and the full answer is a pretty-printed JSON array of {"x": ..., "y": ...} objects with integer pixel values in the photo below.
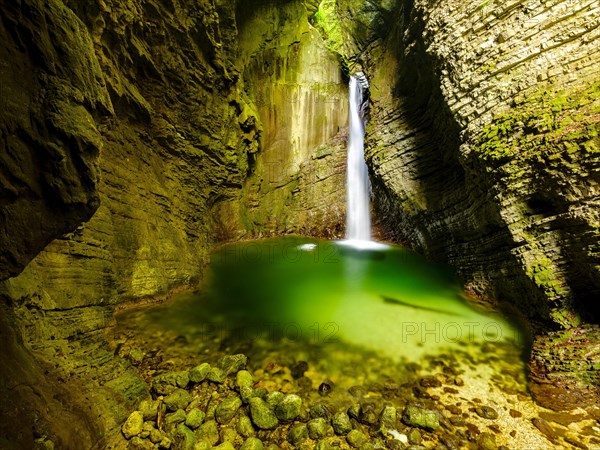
[
  {"x": 383, "y": 298},
  {"x": 371, "y": 321}
]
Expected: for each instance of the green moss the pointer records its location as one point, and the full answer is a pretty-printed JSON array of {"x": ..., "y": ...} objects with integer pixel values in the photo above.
[
  {"x": 544, "y": 274},
  {"x": 549, "y": 124},
  {"x": 327, "y": 22}
]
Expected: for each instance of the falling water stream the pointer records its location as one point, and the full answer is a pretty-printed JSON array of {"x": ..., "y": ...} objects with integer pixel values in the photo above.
[
  {"x": 358, "y": 221},
  {"x": 356, "y": 314}
]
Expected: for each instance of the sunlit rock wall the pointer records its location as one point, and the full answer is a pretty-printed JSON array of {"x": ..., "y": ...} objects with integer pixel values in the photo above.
[{"x": 295, "y": 83}]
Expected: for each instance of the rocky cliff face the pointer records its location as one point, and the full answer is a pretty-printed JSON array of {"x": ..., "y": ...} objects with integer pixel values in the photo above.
[
  {"x": 484, "y": 152},
  {"x": 136, "y": 135},
  {"x": 295, "y": 84}
]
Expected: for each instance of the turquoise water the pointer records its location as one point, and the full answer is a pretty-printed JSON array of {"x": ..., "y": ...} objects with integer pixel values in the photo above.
[{"x": 384, "y": 299}]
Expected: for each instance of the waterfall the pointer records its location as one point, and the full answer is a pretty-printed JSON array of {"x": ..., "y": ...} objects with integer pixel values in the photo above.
[{"x": 358, "y": 220}]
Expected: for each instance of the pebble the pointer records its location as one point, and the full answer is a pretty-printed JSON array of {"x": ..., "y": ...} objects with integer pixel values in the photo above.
[
  {"x": 341, "y": 423},
  {"x": 450, "y": 442},
  {"x": 229, "y": 434},
  {"x": 457, "y": 421},
  {"x": 216, "y": 375},
  {"x": 156, "y": 436},
  {"x": 194, "y": 418},
  {"x": 415, "y": 416},
  {"x": 149, "y": 409},
  {"x": 428, "y": 382},
  {"x": 177, "y": 417},
  {"x": 289, "y": 407},
  {"x": 388, "y": 418},
  {"x": 297, "y": 433},
  {"x": 246, "y": 392},
  {"x": 414, "y": 436},
  {"x": 137, "y": 443},
  {"x": 252, "y": 443},
  {"x": 487, "y": 441},
  {"x": 133, "y": 425},
  {"x": 184, "y": 437},
  {"x": 202, "y": 445},
  {"x": 165, "y": 383},
  {"x": 356, "y": 439},
  {"x": 227, "y": 409},
  {"x": 244, "y": 378},
  {"x": 274, "y": 398},
  {"x": 262, "y": 415},
  {"x": 198, "y": 374},
  {"x": 545, "y": 428},
  {"x": 354, "y": 411},
  {"x": 317, "y": 428},
  {"x": 244, "y": 426},
  {"x": 486, "y": 412},
  {"x": 178, "y": 399},
  {"x": 324, "y": 445},
  {"x": 209, "y": 432},
  {"x": 225, "y": 446},
  {"x": 232, "y": 363},
  {"x": 319, "y": 409},
  {"x": 514, "y": 413},
  {"x": 166, "y": 443},
  {"x": 182, "y": 379},
  {"x": 368, "y": 413}
]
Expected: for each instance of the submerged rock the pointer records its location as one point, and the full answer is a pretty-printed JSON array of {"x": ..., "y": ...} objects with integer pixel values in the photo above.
[
  {"x": 415, "y": 416},
  {"x": 194, "y": 418},
  {"x": 178, "y": 399},
  {"x": 209, "y": 432},
  {"x": 341, "y": 423},
  {"x": 183, "y": 438},
  {"x": 297, "y": 433},
  {"x": 244, "y": 379},
  {"x": 198, "y": 374},
  {"x": 149, "y": 409},
  {"x": 177, "y": 417},
  {"x": 262, "y": 415},
  {"x": 317, "y": 428},
  {"x": 487, "y": 441},
  {"x": 227, "y": 409},
  {"x": 252, "y": 444},
  {"x": 486, "y": 412},
  {"x": 356, "y": 439},
  {"x": 232, "y": 363},
  {"x": 133, "y": 425},
  {"x": 289, "y": 407}
]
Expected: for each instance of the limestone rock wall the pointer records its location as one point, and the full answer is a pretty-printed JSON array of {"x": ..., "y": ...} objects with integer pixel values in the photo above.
[
  {"x": 48, "y": 128},
  {"x": 297, "y": 87},
  {"x": 484, "y": 152},
  {"x": 136, "y": 135}
]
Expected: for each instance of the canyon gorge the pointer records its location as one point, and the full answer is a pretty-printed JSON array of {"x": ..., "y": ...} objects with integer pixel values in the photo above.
[{"x": 136, "y": 136}]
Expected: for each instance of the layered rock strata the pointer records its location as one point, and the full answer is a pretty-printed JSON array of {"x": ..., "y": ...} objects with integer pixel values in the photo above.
[
  {"x": 129, "y": 134},
  {"x": 484, "y": 152}
]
